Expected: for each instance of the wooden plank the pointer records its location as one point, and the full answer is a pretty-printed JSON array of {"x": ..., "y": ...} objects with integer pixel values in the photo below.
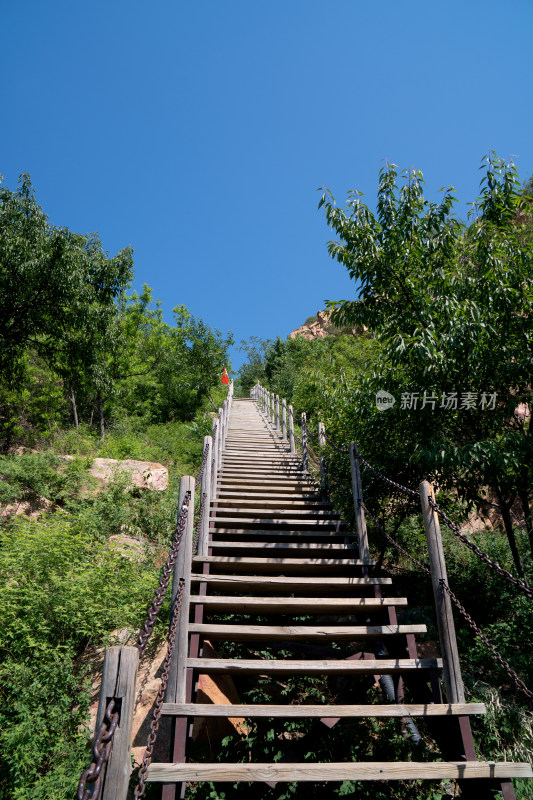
[
  {"x": 258, "y": 545},
  {"x": 324, "y": 711},
  {"x": 119, "y": 676},
  {"x": 283, "y": 605},
  {"x": 258, "y": 535},
  {"x": 301, "y": 633},
  {"x": 176, "y": 686},
  {"x": 452, "y": 668},
  {"x": 311, "y": 564},
  {"x": 337, "y": 667},
  {"x": 290, "y": 584},
  {"x": 357, "y": 490},
  {"x": 279, "y": 513},
  {"x": 355, "y": 771},
  {"x": 222, "y": 521}
]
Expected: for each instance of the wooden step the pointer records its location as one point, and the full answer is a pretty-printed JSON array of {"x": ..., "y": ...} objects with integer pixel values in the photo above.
[
  {"x": 275, "y": 564},
  {"x": 337, "y": 772},
  {"x": 323, "y": 711},
  {"x": 278, "y": 513},
  {"x": 265, "y": 522},
  {"x": 286, "y": 666},
  {"x": 277, "y": 546},
  {"x": 279, "y": 583},
  {"x": 285, "y": 605},
  {"x": 254, "y": 535},
  {"x": 301, "y": 633}
]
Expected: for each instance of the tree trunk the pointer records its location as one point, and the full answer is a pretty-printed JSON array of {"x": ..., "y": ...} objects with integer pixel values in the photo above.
[
  {"x": 101, "y": 415},
  {"x": 74, "y": 408},
  {"x": 508, "y": 525}
]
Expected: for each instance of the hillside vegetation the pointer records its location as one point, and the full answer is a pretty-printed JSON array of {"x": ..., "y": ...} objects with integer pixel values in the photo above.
[{"x": 87, "y": 368}]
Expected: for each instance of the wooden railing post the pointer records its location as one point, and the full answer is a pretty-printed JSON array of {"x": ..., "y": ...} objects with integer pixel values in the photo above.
[
  {"x": 291, "y": 430},
  {"x": 206, "y": 491},
  {"x": 360, "y": 520},
  {"x": 305, "y": 457},
  {"x": 443, "y": 606},
  {"x": 271, "y": 407},
  {"x": 277, "y": 413},
  {"x": 213, "y": 460},
  {"x": 220, "y": 440},
  {"x": 284, "y": 419},
  {"x": 323, "y": 474},
  {"x": 177, "y": 676},
  {"x": 225, "y": 415},
  {"x": 119, "y": 677}
]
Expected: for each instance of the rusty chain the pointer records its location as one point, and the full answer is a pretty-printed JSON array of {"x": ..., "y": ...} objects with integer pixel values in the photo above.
[
  {"x": 101, "y": 751},
  {"x": 158, "y": 707},
  {"x": 334, "y": 446},
  {"x": 398, "y": 486},
  {"x": 153, "y": 612},
  {"x": 202, "y": 467},
  {"x": 503, "y": 573},
  {"x": 201, "y": 514},
  {"x": 473, "y": 625},
  {"x": 477, "y": 630}
]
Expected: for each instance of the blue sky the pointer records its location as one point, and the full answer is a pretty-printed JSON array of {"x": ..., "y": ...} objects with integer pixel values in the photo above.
[{"x": 198, "y": 132}]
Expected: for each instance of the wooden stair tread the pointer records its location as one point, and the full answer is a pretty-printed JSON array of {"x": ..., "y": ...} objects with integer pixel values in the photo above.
[
  {"x": 357, "y": 771},
  {"x": 288, "y": 583},
  {"x": 301, "y": 633},
  {"x": 339, "y": 666},
  {"x": 278, "y": 546},
  {"x": 324, "y": 711},
  {"x": 282, "y": 562},
  {"x": 311, "y": 605}
]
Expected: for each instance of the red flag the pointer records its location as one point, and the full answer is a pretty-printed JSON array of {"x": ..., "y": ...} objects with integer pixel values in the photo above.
[{"x": 225, "y": 378}]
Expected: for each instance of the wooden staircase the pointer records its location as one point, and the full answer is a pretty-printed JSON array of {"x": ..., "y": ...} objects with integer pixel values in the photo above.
[{"x": 277, "y": 552}]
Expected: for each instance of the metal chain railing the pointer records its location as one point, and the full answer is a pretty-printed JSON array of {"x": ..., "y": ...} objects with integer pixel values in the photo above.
[
  {"x": 503, "y": 573},
  {"x": 201, "y": 514},
  {"x": 477, "y": 630},
  {"x": 202, "y": 467},
  {"x": 398, "y": 486},
  {"x": 155, "y": 607},
  {"x": 101, "y": 750},
  {"x": 158, "y": 707},
  {"x": 334, "y": 446},
  {"x": 473, "y": 625}
]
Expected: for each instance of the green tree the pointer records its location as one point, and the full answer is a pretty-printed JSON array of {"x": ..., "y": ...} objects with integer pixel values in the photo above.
[{"x": 451, "y": 308}]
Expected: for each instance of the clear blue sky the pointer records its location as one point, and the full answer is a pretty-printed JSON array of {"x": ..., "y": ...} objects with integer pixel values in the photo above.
[{"x": 199, "y": 131}]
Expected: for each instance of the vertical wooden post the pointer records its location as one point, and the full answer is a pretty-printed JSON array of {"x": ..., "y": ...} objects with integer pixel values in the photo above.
[
  {"x": 271, "y": 407},
  {"x": 220, "y": 439},
  {"x": 305, "y": 457},
  {"x": 291, "y": 430},
  {"x": 277, "y": 413},
  {"x": 323, "y": 475},
  {"x": 213, "y": 458},
  {"x": 443, "y": 606},
  {"x": 206, "y": 490},
  {"x": 119, "y": 676},
  {"x": 177, "y": 675},
  {"x": 284, "y": 419},
  {"x": 357, "y": 490}
]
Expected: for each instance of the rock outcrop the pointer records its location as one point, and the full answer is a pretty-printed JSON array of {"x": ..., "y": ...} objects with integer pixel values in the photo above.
[
  {"x": 144, "y": 474},
  {"x": 315, "y": 330}
]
